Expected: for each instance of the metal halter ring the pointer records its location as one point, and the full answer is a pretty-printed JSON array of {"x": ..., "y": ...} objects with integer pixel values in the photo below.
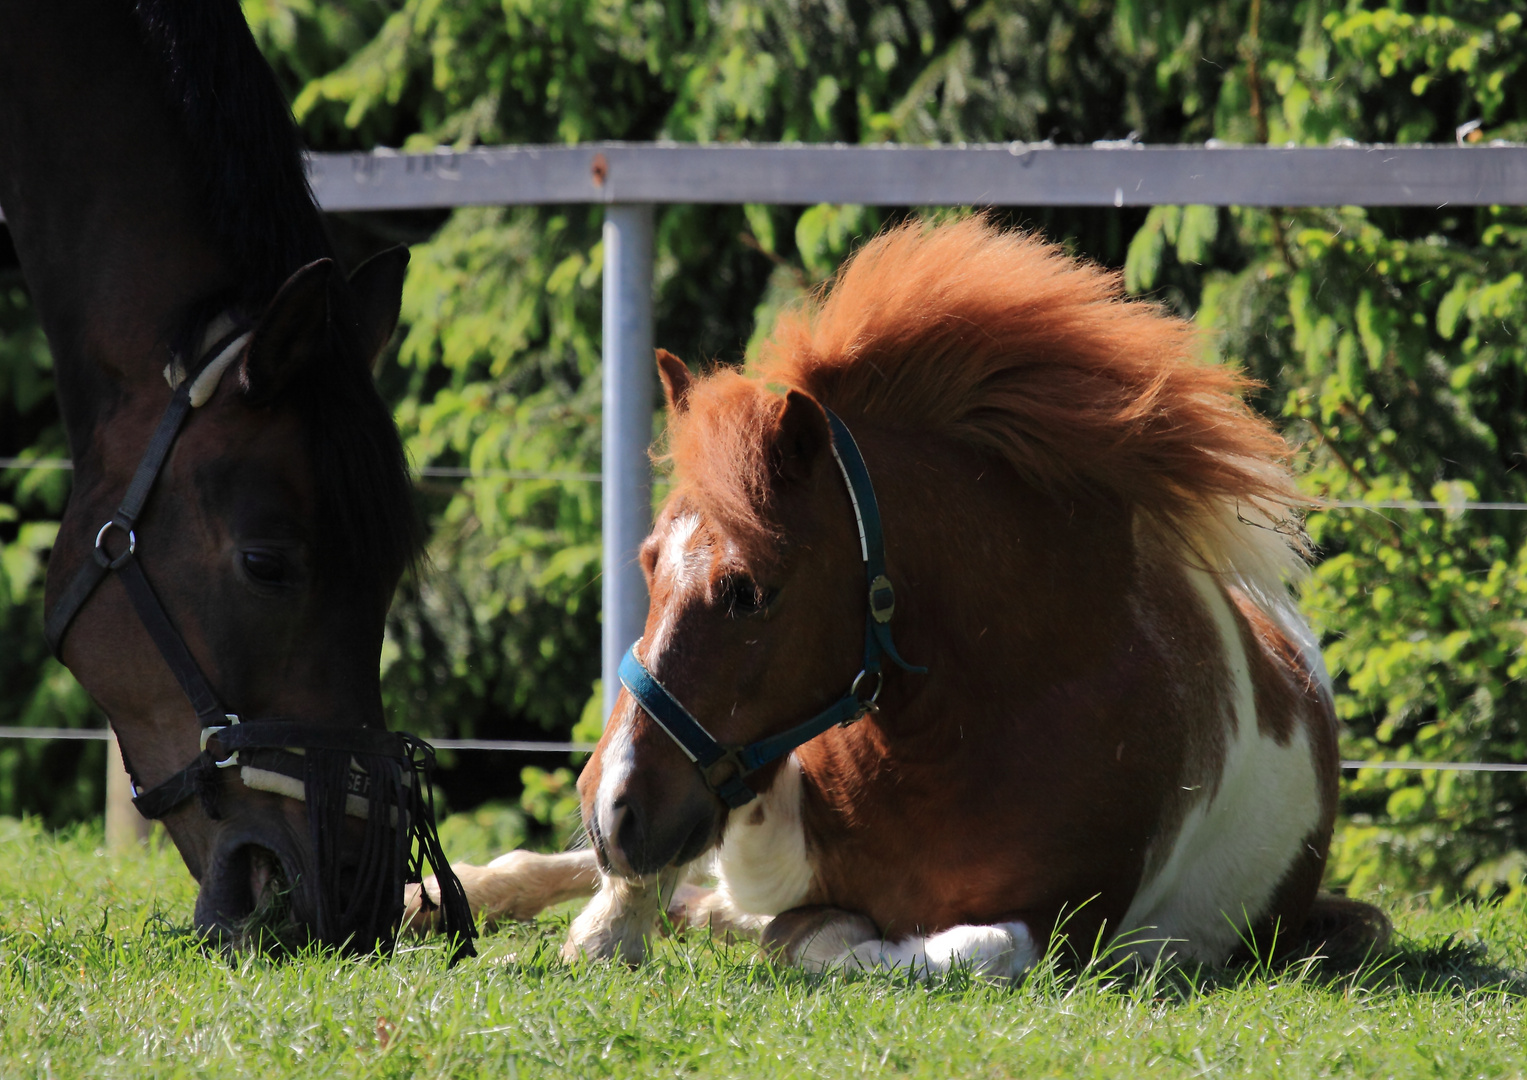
[
  {"x": 866, "y": 704},
  {"x": 100, "y": 546},
  {"x": 207, "y": 733}
]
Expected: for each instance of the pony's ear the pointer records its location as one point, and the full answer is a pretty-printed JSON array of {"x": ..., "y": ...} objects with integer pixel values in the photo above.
[
  {"x": 376, "y": 289},
  {"x": 800, "y": 437},
  {"x": 676, "y": 381},
  {"x": 293, "y": 333}
]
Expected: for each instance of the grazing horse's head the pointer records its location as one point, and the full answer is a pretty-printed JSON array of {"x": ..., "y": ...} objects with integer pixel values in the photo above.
[
  {"x": 757, "y": 616},
  {"x": 241, "y": 509},
  {"x": 273, "y": 537}
]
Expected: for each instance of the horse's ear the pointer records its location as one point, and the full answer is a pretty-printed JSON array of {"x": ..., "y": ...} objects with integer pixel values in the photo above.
[
  {"x": 293, "y": 333},
  {"x": 676, "y": 381},
  {"x": 376, "y": 288},
  {"x": 800, "y": 436}
]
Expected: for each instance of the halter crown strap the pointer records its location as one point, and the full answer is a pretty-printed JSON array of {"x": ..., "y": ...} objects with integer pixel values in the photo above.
[
  {"x": 724, "y": 767},
  {"x": 189, "y": 393}
]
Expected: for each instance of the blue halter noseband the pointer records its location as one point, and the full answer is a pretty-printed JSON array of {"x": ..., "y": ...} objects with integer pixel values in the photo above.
[{"x": 725, "y": 767}]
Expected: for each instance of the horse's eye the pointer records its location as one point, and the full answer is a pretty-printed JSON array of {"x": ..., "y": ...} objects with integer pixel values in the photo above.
[
  {"x": 266, "y": 567},
  {"x": 742, "y": 597}
]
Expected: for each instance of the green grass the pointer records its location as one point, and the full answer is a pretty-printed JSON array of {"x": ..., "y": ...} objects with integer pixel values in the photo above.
[{"x": 98, "y": 977}]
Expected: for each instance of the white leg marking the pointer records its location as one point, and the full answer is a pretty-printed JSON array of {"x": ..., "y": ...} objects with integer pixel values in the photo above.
[
  {"x": 1232, "y": 850},
  {"x": 761, "y": 866},
  {"x": 621, "y": 918},
  {"x": 997, "y": 953}
]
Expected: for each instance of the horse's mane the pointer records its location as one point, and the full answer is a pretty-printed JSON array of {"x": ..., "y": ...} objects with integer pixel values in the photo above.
[
  {"x": 246, "y": 156},
  {"x": 244, "y": 148},
  {"x": 1004, "y": 343}
]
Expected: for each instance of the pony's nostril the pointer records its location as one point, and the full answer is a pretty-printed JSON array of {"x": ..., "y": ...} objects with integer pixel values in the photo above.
[
  {"x": 626, "y": 831},
  {"x": 623, "y": 837}
]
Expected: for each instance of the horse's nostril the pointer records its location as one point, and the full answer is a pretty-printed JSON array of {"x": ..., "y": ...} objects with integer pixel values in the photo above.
[{"x": 265, "y": 876}]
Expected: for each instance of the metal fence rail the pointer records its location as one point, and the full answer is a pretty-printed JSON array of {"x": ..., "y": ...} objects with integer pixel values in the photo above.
[{"x": 1006, "y": 174}]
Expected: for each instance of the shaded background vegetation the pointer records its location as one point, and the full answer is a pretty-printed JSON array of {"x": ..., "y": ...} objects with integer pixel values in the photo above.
[{"x": 1390, "y": 342}]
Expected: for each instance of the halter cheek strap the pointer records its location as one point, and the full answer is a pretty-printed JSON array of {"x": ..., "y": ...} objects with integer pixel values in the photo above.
[{"x": 725, "y": 767}]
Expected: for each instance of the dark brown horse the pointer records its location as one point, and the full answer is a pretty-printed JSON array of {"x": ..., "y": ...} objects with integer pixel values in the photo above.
[
  {"x": 152, "y": 180},
  {"x": 1124, "y": 723}
]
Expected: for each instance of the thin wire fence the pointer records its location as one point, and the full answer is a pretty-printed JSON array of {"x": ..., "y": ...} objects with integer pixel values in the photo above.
[
  {"x": 450, "y": 472},
  {"x": 447, "y": 472},
  {"x": 532, "y": 746}
]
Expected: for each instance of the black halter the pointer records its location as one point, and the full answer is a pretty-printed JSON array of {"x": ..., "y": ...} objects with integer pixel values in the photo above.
[
  {"x": 382, "y": 776},
  {"x": 724, "y": 767}
]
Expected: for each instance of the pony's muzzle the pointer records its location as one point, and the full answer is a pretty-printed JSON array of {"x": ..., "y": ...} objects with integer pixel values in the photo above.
[{"x": 634, "y": 843}]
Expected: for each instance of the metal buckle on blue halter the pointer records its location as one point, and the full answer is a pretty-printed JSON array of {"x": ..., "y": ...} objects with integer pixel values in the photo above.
[{"x": 726, "y": 767}]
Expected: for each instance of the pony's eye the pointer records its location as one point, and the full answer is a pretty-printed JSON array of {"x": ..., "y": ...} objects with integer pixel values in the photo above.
[
  {"x": 266, "y": 567},
  {"x": 742, "y": 597}
]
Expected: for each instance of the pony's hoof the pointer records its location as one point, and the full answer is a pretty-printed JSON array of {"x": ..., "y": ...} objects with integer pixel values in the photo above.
[{"x": 420, "y": 918}]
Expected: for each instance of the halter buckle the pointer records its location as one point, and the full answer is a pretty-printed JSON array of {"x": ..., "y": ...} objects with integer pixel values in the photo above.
[
  {"x": 207, "y": 733},
  {"x": 718, "y": 775},
  {"x": 101, "y": 555}
]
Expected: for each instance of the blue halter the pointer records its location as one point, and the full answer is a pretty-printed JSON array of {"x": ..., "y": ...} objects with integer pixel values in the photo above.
[{"x": 724, "y": 767}]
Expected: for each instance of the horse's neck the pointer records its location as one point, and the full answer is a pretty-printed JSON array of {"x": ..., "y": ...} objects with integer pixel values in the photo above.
[
  {"x": 1000, "y": 589},
  {"x": 99, "y": 196}
]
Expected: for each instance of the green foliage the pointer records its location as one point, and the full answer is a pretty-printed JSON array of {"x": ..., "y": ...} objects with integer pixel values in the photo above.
[
  {"x": 62, "y": 781},
  {"x": 502, "y": 310},
  {"x": 1391, "y": 347}
]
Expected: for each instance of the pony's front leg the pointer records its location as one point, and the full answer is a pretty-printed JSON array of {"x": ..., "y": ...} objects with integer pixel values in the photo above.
[
  {"x": 826, "y": 938},
  {"x": 622, "y": 917},
  {"x": 516, "y": 887}
]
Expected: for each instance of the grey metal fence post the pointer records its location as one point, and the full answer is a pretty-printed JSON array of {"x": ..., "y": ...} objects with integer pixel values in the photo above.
[{"x": 630, "y": 386}]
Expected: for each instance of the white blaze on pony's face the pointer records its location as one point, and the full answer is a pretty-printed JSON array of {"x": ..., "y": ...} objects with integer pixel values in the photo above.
[{"x": 684, "y": 555}]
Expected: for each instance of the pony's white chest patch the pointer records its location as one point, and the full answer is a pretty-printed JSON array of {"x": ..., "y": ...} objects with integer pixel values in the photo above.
[
  {"x": 761, "y": 865},
  {"x": 1233, "y": 848}
]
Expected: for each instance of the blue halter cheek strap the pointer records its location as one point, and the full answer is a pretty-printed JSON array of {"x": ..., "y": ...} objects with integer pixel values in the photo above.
[{"x": 726, "y": 767}]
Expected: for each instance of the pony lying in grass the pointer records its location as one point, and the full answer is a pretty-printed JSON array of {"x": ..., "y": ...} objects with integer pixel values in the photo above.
[{"x": 1110, "y": 713}]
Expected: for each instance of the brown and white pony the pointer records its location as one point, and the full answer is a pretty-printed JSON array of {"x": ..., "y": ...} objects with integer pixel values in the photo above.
[{"x": 1125, "y": 724}]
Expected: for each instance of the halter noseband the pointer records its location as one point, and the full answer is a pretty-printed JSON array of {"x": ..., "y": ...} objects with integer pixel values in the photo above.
[
  {"x": 725, "y": 767},
  {"x": 381, "y": 776}
]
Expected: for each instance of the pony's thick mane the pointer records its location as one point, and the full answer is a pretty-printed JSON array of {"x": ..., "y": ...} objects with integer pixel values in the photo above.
[
  {"x": 245, "y": 152},
  {"x": 1006, "y": 344}
]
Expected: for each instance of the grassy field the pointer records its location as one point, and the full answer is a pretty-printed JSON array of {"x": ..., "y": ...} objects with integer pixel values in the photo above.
[{"x": 98, "y": 977}]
